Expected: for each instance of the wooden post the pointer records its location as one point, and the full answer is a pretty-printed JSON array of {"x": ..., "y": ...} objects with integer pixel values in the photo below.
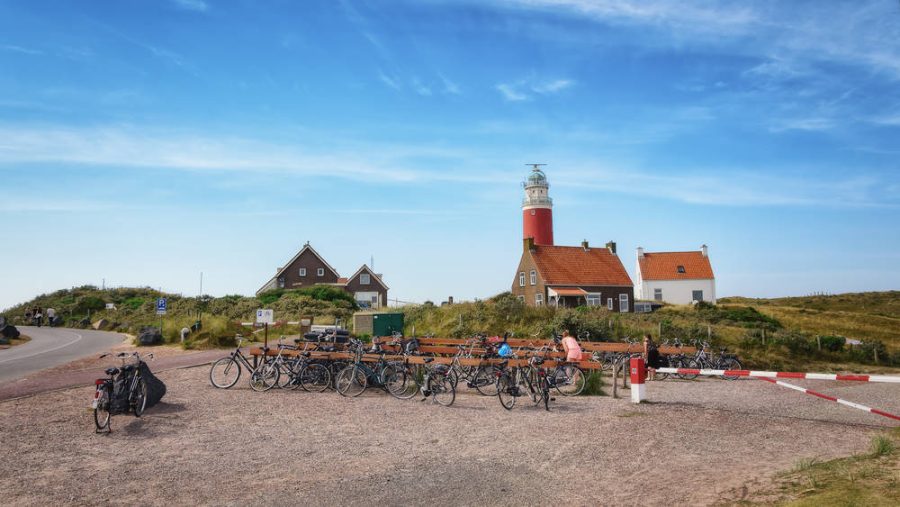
[
  {"x": 659, "y": 333},
  {"x": 615, "y": 380},
  {"x": 819, "y": 342},
  {"x": 875, "y": 353},
  {"x": 708, "y": 333},
  {"x": 764, "y": 336}
]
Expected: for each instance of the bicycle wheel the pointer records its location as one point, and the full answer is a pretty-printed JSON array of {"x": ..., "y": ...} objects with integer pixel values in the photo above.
[
  {"x": 401, "y": 382},
  {"x": 730, "y": 363},
  {"x": 506, "y": 387},
  {"x": 351, "y": 381},
  {"x": 334, "y": 368},
  {"x": 569, "y": 380},
  {"x": 101, "y": 412},
  {"x": 442, "y": 390},
  {"x": 545, "y": 393},
  {"x": 692, "y": 364},
  {"x": 666, "y": 363},
  {"x": 314, "y": 378},
  {"x": 264, "y": 377},
  {"x": 286, "y": 377},
  {"x": 486, "y": 380},
  {"x": 225, "y": 373},
  {"x": 139, "y": 400}
]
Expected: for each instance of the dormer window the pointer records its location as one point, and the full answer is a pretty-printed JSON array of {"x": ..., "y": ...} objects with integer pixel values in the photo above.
[
  {"x": 320, "y": 272},
  {"x": 680, "y": 270},
  {"x": 302, "y": 271},
  {"x": 533, "y": 277},
  {"x": 364, "y": 279}
]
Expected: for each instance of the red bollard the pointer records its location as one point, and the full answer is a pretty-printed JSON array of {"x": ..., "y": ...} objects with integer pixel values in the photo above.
[{"x": 638, "y": 377}]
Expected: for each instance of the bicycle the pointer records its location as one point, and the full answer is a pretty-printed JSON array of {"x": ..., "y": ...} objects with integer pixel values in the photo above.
[
  {"x": 436, "y": 383},
  {"x": 225, "y": 372},
  {"x": 511, "y": 381},
  {"x": 355, "y": 378},
  {"x": 121, "y": 392},
  {"x": 703, "y": 360}
]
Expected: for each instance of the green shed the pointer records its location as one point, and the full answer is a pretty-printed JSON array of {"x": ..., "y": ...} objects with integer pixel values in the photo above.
[{"x": 384, "y": 324}]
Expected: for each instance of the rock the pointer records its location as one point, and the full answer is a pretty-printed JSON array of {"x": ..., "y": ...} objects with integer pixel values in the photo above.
[
  {"x": 101, "y": 324},
  {"x": 9, "y": 332},
  {"x": 149, "y": 336}
]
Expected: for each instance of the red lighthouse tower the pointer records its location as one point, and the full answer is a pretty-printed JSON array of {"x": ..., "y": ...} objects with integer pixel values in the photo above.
[{"x": 537, "y": 208}]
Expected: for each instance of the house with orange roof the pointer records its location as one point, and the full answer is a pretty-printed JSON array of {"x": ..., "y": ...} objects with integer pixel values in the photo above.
[
  {"x": 570, "y": 276},
  {"x": 307, "y": 268},
  {"x": 675, "y": 277}
]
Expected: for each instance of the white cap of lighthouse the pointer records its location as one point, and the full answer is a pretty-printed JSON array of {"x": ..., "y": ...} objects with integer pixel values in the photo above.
[{"x": 537, "y": 208}]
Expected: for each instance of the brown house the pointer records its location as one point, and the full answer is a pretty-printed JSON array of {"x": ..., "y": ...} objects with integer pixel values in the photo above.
[
  {"x": 569, "y": 276},
  {"x": 308, "y": 268}
]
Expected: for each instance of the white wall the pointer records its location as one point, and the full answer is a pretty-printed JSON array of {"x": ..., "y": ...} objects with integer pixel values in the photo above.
[{"x": 677, "y": 292}]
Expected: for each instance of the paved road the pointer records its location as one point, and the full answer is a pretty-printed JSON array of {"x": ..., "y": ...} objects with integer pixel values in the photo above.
[{"x": 51, "y": 347}]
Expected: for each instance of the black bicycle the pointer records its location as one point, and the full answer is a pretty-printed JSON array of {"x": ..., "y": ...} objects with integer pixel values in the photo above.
[
  {"x": 122, "y": 391},
  {"x": 225, "y": 372}
]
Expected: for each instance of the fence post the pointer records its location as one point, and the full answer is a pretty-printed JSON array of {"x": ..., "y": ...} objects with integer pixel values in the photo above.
[
  {"x": 819, "y": 342},
  {"x": 615, "y": 380}
]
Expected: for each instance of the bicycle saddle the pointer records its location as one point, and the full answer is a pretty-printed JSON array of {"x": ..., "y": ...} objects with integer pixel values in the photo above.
[
  {"x": 112, "y": 371},
  {"x": 429, "y": 359},
  {"x": 305, "y": 354},
  {"x": 539, "y": 360}
]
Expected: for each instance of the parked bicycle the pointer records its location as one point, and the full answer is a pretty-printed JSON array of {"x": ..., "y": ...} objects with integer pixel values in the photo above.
[
  {"x": 123, "y": 390},
  {"x": 225, "y": 372}
]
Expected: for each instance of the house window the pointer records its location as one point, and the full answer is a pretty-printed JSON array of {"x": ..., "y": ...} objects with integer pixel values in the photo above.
[
  {"x": 657, "y": 294},
  {"x": 522, "y": 279},
  {"x": 302, "y": 271},
  {"x": 609, "y": 304},
  {"x": 697, "y": 295},
  {"x": 538, "y": 299},
  {"x": 533, "y": 277},
  {"x": 280, "y": 282},
  {"x": 364, "y": 279},
  {"x": 522, "y": 299},
  {"x": 680, "y": 269},
  {"x": 320, "y": 272},
  {"x": 594, "y": 300},
  {"x": 623, "y": 302}
]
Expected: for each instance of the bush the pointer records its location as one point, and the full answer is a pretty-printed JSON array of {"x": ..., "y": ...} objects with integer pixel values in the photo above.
[
  {"x": 269, "y": 297},
  {"x": 796, "y": 342},
  {"x": 89, "y": 303},
  {"x": 746, "y": 316},
  {"x": 832, "y": 343},
  {"x": 133, "y": 303}
]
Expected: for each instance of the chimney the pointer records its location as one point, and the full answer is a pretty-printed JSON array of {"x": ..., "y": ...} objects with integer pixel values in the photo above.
[
  {"x": 450, "y": 300},
  {"x": 528, "y": 244},
  {"x": 611, "y": 246},
  {"x": 704, "y": 250},
  {"x": 640, "y": 252},
  {"x": 584, "y": 244}
]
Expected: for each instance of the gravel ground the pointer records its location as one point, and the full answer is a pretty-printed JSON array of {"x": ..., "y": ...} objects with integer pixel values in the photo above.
[{"x": 698, "y": 442}]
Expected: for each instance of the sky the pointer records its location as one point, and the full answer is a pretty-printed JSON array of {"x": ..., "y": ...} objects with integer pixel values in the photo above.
[{"x": 145, "y": 142}]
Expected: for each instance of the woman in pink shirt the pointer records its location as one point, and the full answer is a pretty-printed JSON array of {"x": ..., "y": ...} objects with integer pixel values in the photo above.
[{"x": 571, "y": 347}]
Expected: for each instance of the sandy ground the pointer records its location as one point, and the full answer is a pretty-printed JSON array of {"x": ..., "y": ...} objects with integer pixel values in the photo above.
[{"x": 698, "y": 442}]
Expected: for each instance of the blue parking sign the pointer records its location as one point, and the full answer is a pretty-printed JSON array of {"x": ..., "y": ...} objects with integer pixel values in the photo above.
[{"x": 161, "y": 306}]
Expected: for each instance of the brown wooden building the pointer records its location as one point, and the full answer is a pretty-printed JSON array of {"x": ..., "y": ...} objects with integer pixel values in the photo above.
[
  {"x": 308, "y": 268},
  {"x": 569, "y": 276}
]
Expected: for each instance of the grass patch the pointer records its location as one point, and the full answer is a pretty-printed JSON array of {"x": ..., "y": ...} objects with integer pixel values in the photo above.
[
  {"x": 867, "y": 479},
  {"x": 593, "y": 384}
]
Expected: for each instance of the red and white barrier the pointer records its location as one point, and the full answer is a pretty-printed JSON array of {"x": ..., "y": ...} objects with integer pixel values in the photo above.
[
  {"x": 638, "y": 379},
  {"x": 832, "y": 398},
  {"x": 780, "y": 374}
]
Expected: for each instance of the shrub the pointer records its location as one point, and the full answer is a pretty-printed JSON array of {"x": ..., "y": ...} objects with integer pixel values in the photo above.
[
  {"x": 133, "y": 303},
  {"x": 832, "y": 343},
  {"x": 269, "y": 297},
  {"x": 796, "y": 342},
  {"x": 89, "y": 303},
  {"x": 882, "y": 446}
]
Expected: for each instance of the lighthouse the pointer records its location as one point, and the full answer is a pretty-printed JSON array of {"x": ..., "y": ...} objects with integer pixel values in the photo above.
[{"x": 537, "y": 208}]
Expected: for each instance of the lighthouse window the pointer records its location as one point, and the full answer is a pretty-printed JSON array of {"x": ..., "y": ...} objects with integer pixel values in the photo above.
[
  {"x": 522, "y": 279},
  {"x": 533, "y": 277},
  {"x": 532, "y": 213}
]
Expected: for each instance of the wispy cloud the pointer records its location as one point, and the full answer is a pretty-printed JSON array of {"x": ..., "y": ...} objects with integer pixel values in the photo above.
[
  {"x": 387, "y": 80},
  {"x": 420, "y": 88},
  {"x": 525, "y": 89},
  {"x": 808, "y": 124},
  {"x": 192, "y": 5},
  {"x": 19, "y": 49},
  {"x": 449, "y": 86}
]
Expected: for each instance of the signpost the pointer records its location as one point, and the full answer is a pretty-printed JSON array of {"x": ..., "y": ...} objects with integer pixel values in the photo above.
[
  {"x": 161, "y": 306},
  {"x": 265, "y": 317}
]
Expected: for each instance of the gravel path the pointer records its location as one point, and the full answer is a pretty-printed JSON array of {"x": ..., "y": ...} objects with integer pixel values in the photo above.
[{"x": 696, "y": 443}]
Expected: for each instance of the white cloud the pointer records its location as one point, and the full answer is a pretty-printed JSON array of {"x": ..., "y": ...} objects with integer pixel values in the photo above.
[
  {"x": 19, "y": 49},
  {"x": 449, "y": 86},
  {"x": 191, "y": 5},
  {"x": 420, "y": 88},
  {"x": 510, "y": 93},
  {"x": 809, "y": 124},
  {"x": 389, "y": 81},
  {"x": 552, "y": 86}
]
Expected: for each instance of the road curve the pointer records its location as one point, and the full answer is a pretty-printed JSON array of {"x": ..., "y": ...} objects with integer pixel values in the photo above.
[{"x": 50, "y": 347}]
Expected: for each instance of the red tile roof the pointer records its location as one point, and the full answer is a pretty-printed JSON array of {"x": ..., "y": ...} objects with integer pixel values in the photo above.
[
  {"x": 342, "y": 281},
  {"x": 573, "y": 265},
  {"x": 664, "y": 266}
]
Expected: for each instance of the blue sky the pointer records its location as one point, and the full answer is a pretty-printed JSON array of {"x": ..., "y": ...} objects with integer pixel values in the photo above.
[{"x": 143, "y": 142}]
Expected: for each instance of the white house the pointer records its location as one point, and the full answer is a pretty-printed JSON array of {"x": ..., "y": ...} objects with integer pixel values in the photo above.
[{"x": 675, "y": 277}]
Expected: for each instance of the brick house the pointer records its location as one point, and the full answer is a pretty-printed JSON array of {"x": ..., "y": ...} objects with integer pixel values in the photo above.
[
  {"x": 308, "y": 268},
  {"x": 569, "y": 276}
]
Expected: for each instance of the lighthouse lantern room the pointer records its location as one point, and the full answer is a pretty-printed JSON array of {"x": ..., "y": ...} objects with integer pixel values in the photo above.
[{"x": 537, "y": 208}]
